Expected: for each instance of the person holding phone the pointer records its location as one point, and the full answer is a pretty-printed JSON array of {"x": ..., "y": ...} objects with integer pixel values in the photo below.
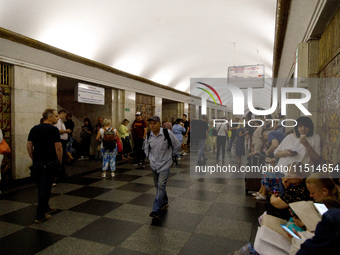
[
  {"x": 302, "y": 146},
  {"x": 326, "y": 239}
]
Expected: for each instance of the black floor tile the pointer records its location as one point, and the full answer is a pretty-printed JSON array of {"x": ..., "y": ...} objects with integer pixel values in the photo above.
[
  {"x": 178, "y": 220},
  {"x": 23, "y": 217},
  {"x": 107, "y": 231},
  {"x": 126, "y": 177},
  {"x": 88, "y": 191},
  {"x": 96, "y": 207},
  {"x": 143, "y": 200},
  {"x": 81, "y": 180},
  {"x": 199, "y": 244},
  {"x": 200, "y": 195},
  {"x": 29, "y": 195},
  {"x": 136, "y": 187},
  {"x": 27, "y": 241},
  {"x": 233, "y": 212}
]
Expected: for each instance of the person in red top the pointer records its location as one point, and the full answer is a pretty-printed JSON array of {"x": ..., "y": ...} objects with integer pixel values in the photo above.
[{"x": 139, "y": 130}]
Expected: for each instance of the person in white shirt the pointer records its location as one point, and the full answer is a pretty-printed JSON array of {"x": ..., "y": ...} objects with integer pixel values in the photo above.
[{"x": 303, "y": 146}]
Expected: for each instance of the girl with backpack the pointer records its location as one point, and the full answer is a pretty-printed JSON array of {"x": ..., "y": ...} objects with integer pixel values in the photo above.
[{"x": 108, "y": 136}]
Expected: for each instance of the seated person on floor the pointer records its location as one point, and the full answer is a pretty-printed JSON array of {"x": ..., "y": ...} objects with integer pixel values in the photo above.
[
  {"x": 295, "y": 190},
  {"x": 327, "y": 232},
  {"x": 326, "y": 239},
  {"x": 270, "y": 181},
  {"x": 320, "y": 185}
]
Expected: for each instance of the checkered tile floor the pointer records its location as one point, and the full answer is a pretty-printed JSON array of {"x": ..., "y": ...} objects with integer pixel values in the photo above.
[{"x": 111, "y": 216}]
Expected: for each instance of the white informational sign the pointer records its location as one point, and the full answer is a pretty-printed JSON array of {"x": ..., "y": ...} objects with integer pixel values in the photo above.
[
  {"x": 251, "y": 76},
  {"x": 90, "y": 94}
]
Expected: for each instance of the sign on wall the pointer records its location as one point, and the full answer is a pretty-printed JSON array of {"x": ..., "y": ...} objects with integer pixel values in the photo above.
[{"x": 89, "y": 94}]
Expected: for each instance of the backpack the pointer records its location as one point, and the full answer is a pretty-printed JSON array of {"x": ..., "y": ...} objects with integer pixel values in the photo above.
[
  {"x": 166, "y": 137},
  {"x": 109, "y": 139}
]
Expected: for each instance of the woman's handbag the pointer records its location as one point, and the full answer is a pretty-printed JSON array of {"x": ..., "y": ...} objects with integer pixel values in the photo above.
[
  {"x": 119, "y": 145},
  {"x": 4, "y": 148}
]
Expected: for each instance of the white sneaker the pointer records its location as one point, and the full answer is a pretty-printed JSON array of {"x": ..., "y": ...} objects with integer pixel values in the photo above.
[
  {"x": 81, "y": 158},
  {"x": 104, "y": 174},
  {"x": 260, "y": 197},
  {"x": 112, "y": 174},
  {"x": 184, "y": 153},
  {"x": 255, "y": 194},
  {"x": 178, "y": 158}
]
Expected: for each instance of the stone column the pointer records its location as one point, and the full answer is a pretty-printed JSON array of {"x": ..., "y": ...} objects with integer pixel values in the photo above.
[
  {"x": 129, "y": 105},
  {"x": 32, "y": 92},
  {"x": 158, "y": 107}
]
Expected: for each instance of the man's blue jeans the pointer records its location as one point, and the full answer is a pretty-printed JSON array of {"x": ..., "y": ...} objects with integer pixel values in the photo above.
[{"x": 160, "y": 180}]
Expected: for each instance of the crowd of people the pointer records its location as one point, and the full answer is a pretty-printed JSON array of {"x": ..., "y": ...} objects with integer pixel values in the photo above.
[
  {"x": 50, "y": 147},
  {"x": 304, "y": 176}
]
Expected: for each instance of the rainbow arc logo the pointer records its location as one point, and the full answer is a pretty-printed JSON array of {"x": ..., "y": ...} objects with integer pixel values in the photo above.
[{"x": 209, "y": 93}]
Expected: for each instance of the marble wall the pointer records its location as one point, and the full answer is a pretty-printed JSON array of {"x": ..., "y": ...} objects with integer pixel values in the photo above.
[
  {"x": 328, "y": 125},
  {"x": 33, "y": 92},
  {"x": 329, "y": 111}
]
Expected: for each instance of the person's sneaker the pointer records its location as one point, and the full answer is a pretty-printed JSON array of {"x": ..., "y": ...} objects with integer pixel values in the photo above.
[
  {"x": 184, "y": 153},
  {"x": 45, "y": 218},
  {"x": 104, "y": 175},
  {"x": 112, "y": 174},
  {"x": 165, "y": 206},
  {"x": 54, "y": 184},
  {"x": 81, "y": 158},
  {"x": 255, "y": 194},
  {"x": 154, "y": 215},
  {"x": 178, "y": 158},
  {"x": 260, "y": 197},
  {"x": 136, "y": 164}
]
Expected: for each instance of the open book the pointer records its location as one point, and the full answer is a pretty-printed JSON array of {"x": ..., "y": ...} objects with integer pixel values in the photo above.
[
  {"x": 307, "y": 213},
  {"x": 269, "y": 242}
]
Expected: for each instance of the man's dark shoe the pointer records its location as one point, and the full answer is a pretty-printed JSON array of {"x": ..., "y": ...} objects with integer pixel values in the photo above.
[
  {"x": 165, "y": 206},
  {"x": 45, "y": 218},
  {"x": 154, "y": 215}
]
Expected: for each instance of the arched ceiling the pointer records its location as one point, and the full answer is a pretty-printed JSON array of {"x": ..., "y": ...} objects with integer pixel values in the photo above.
[{"x": 166, "y": 41}]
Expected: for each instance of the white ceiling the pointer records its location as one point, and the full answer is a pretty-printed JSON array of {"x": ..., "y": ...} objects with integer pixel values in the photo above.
[{"x": 164, "y": 41}]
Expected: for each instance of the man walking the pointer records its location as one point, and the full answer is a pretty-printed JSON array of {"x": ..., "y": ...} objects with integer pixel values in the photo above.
[
  {"x": 138, "y": 134},
  {"x": 160, "y": 146},
  {"x": 45, "y": 149}
]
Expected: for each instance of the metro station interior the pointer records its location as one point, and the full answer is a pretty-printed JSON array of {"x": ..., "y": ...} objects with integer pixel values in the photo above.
[{"x": 147, "y": 57}]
